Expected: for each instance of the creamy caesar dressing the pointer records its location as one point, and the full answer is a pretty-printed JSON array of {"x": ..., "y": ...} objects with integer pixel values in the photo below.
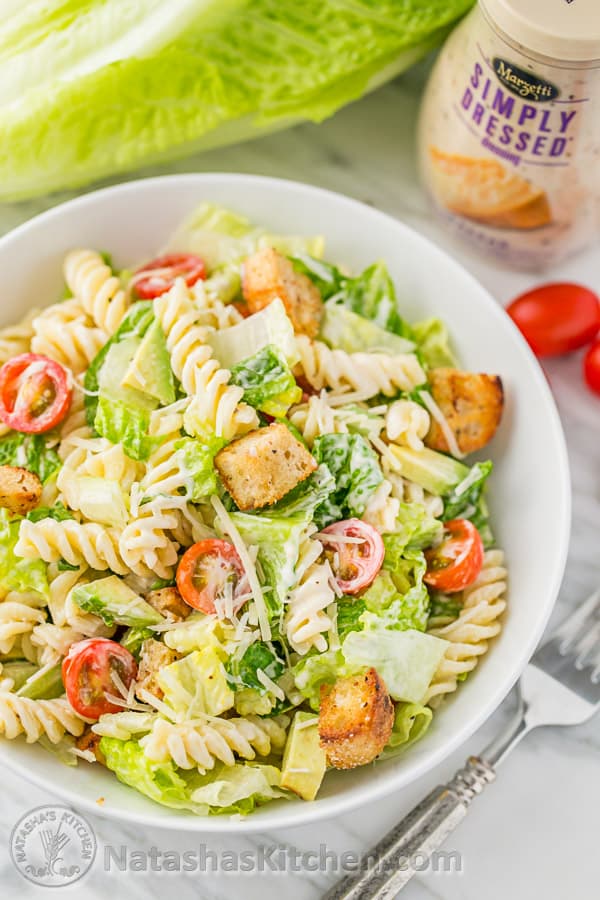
[{"x": 510, "y": 129}]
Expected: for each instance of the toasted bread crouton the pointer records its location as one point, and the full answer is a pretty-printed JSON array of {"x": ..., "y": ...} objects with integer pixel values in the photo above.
[
  {"x": 356, "y": 717},
  {"x": 89, "y": 740},
  {"x": 267, "y": 275},
  {"x": 20, "y": 489},
  {"x": 169, "y": 603},
  {"x": 153, "y": 657},
  {"x": 263, "y": 465},
  {"x": 472, "y": 405}
]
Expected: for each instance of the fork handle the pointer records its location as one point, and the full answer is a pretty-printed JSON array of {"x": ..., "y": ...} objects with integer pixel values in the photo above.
[{"x": 389, "y": 865}]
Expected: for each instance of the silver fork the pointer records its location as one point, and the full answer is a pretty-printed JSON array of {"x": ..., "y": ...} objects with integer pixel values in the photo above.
[{"x": 560, "y": 686}]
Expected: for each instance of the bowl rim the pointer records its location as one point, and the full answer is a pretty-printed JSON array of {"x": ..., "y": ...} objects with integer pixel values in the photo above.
[{"x": 296, "y": 814}]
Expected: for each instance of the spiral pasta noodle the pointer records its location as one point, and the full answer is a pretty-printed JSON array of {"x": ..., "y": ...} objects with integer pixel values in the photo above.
[
  {"x": 16, "y": 339},
  {"x": 100, "y": 292},
  {"x": 19, "y": 614},
  {"x": 201, "y": 745},
  {"x": 64, "y": 333},
  {"x": 382, "y": 509},
  {"x": 367, "y": 373},
  {"x": 482, "y": 605},
  {"x": 36, "y": 718},
  {"x": 407, "y": 423},
  {"x": 217, "y": 404},
  {"x": 75, "y": 542},
  {"x": 145, "y": 544},
  {"x": 306, "y": 621},
  {"x": 95, "y": 458}
]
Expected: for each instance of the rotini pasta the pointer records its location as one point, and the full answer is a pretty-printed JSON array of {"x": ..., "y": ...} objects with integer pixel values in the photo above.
[
  {"x": 307, "y": 622},
  {"x": 19, "y": 614},
  {"x": 16, "y": 339},
  {"x": 482, "y": 605},
  {"x": 75, "y": 542},
  {"x": 201, "y": 745},
  {"x": 99, "y": 291},
  {"x": 37, "y": 718},
  {"x": 406, "y": 422},
  {"x": 217, "y": 404},
  {"x": 64, "y": 333},
  {"x": 145, "y": 544},
  {"x": 366, "y": 373}
]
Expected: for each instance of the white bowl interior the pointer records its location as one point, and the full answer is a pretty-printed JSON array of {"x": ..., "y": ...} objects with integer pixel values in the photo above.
[{"x": 529, "y": 496}]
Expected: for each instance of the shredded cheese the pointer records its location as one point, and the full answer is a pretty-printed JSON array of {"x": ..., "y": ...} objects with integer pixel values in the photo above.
[
  {"x": 440, "y": 418},
  {"x": 229, "y": 528},
  {"x": 269, "y": 684},
  {"x": 466, "y": 483}
]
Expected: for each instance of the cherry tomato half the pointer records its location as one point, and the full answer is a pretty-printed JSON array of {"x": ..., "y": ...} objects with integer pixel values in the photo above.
[
  {"x": 591, "y": 367},
  {"x": 556, "y": 318},
  {"x": 206, "y": 573},
  {"x": 457, "y": 561},
  {"x": 35, "y": 394},
  {"x": 355, "y": 550},
  {"x": 87, "y": 671},
  {"x": 158, "y": 276}
]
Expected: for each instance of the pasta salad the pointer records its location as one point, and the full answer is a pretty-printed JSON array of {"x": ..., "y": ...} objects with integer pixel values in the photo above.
[{"x": 240, "y": 543}]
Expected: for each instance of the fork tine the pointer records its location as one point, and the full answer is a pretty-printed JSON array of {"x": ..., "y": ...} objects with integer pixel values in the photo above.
[
  {"x": 581, "y": 619},
  {"x": 585, "y": 647}
]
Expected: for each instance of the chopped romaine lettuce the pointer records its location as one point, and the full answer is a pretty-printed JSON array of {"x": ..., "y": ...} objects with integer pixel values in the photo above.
[
  {"x": 58, "y": 512},
  {"x": 134, "y": 637},
  {"x": 467, "y": 501},
  {"x": 197, "y": 684},
  {"x": 17, "y": 574},
  {"x": 239, "y": 789},
  {"x": 30, "y": 451},
  {"x": 316, "y": 669},
  {"x": 411, "y": 721},
  {"x": 357, "y": 473},
  {"x": 406, "y": 660},
  {"x": 349, "y": 612},
  {"x": 243, "y": 670},
  {"x": 267, "y": 381},
  {"x": 446, "y": 606},
  {"x": 433, "y": 341},
  {"x": 137, "y": 321},
  {"x": 306, "y": 496},
  {"x": 415, "y": 528},
  {"x": 346, "y": 330},
  {"x": 269, "y": 327},
  {"x": 196, "y": 462},
  {"x": 278, "y": 540}
]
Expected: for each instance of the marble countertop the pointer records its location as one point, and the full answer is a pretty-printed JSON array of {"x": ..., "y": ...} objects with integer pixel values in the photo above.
[{"x": 535, "y": 831}]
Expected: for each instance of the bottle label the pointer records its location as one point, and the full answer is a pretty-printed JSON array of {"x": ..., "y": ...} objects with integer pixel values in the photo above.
[{"x": 510, "y": 147}]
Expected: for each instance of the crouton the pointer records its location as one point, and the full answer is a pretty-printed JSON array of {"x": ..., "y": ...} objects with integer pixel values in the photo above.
[
  {"x": 89, "y": 740},
  {"x": 267, "y": 275},
  {"x": 20, "y": 489},
  {"x": 169, "y": 603},
  {"x": 356, "y": 717},
  {"x": 263, "y": 465},
  {"x": 472, "y": 405},
  {"x": 154, "y": 656}
]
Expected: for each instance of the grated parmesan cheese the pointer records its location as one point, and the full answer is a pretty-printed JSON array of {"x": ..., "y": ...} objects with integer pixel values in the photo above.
[
  {"x": 269, "y": 684},
  {"x": 440, "y": 418}
]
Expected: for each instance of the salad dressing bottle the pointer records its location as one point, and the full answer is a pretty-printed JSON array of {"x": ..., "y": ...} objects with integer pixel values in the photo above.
[{"x": 509, "y": 135}]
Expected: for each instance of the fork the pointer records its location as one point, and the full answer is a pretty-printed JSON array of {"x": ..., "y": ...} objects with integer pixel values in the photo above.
[{"x": 560, "y": 686}]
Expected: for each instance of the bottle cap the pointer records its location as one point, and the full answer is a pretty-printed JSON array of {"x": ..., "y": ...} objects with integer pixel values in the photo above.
[{"x": 566, "y": 30}]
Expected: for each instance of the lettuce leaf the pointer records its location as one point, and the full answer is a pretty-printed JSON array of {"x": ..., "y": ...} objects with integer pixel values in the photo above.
[
  {"x": 346, "y": 330},
  {"x": 31, "y": 452},
  {"x": 196, "y": 462},
  {"x": 127, "y": 84},
  {"x": 243, "y": 669},
  {"x": 357, "y": 473},
  {"x": 17, "y": 574},
  {"x": 304, "y": 499},
  {"x": 433, "y": 341},
  {"x": 239, "y": 789},
  {"x": 469, "y": 502},
  {"x": 411, "y": 721},
  {"x": 267, "y": 381}
]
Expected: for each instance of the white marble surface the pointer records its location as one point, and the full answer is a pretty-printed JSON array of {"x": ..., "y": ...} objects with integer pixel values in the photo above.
[{"x": 535, "y": 831}]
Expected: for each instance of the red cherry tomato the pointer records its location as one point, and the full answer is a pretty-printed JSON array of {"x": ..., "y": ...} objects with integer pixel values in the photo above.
[
  {"x": 35, "y": 394},
  {"x": 207, "y": 573},
  {"x": 158, "y": 276},
  {"x": 591, "y": 367},
  {"x": 87, "y": 672},
  {"x": 457, "y": 561},
  {"x": 556, "y": 318},
  {"x": 356, "y": 551}
]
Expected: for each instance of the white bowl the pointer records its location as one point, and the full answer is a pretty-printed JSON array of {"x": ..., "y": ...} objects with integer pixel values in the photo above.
[{"x": 529, "y": 496}]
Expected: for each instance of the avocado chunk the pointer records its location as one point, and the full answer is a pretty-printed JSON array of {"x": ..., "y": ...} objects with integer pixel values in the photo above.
[
  {"x": 115, "y": 603},
  {"x": 45, "y": 684},
  {"x": 150, "y": 369},
  {"x": 18, "y": 670},
  {"x": 304, "y": 760},
  {"x": 434, "y": 471}
]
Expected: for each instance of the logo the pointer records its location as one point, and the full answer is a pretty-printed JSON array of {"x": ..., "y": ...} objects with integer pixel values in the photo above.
[
  {"x": 52, "y": 846},
  {"x": 524, "y": 84}
]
